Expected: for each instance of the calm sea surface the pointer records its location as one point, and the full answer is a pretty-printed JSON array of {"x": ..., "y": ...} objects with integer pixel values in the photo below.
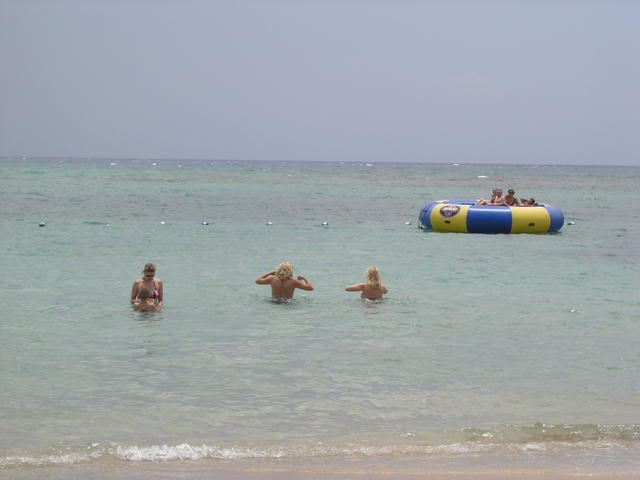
[{"x": 485, "y": 343}]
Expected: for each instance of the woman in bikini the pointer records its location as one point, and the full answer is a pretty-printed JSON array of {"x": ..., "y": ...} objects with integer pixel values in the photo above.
[
  {"x": 144, "y": 301},
  {"x": 372, "y": 289},
  {"x": 148, "y": 281},
  {"x": 282, "y": 283},
  {"x": 510, "y": 199}
]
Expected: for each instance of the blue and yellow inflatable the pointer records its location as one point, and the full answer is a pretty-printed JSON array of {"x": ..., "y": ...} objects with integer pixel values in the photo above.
[{"x": 465, "y": 216}]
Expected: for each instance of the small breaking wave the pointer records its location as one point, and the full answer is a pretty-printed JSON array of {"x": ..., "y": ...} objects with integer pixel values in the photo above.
[
  {"x": 468, "y": 441},
  {"x": 45, "y": 460},
  {"x": 161, "y": 453}
]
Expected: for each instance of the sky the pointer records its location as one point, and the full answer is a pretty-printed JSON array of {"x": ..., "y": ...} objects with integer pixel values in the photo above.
[{"x": 468, "y": 81}]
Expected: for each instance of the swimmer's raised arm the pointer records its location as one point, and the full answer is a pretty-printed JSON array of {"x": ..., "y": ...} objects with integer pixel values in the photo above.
[
  {"x": 355, "y": 288},
  {"x": 264, "y": 278},
  {"x": 303, "y": 283}
]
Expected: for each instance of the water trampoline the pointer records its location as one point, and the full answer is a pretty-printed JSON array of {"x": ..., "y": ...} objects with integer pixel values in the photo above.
[{"x": 466, "y": 217}]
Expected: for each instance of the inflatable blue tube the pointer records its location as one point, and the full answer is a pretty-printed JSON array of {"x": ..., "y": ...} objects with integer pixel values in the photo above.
[
  {"x": 557, "y": 218},
  {"x": 465, "y": 216},
  {"x": 489, "y": 220}
]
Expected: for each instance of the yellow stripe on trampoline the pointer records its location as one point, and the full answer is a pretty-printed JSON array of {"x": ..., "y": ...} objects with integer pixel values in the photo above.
[
  {"x": 456, "y": 223},
  {"x": 529, "y": 220}
]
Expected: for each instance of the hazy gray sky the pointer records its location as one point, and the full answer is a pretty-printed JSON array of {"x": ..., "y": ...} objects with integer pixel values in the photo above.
[{"x": 462, "y": 81}]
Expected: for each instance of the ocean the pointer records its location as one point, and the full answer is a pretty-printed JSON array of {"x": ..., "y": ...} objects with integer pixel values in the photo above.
[{"x": 485, "y": 344}]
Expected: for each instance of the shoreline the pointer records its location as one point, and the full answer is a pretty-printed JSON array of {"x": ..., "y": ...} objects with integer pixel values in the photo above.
[{"x": 598, "y": 464}]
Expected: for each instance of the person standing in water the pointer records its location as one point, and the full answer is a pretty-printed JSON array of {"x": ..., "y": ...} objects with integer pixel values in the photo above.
[
  {"x": 148, "y": 281},
  {"x": 282, "y": 283},
  {"x": 373, "y": 288}
]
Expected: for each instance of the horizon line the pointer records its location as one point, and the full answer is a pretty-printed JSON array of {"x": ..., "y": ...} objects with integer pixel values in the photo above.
[{"x": 365, "y": 162}]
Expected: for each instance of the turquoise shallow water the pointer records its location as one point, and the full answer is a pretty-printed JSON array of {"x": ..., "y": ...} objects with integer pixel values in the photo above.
[{"x": 484, "y": 343}]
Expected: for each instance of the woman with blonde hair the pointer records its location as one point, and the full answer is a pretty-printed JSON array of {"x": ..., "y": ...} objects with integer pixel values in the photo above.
[
  {"x": 496, "y": 198},
  {"x": 282, "y": 283},
  {"x": 372, "y": 289},
  {"x": 148, "y": 281}
]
